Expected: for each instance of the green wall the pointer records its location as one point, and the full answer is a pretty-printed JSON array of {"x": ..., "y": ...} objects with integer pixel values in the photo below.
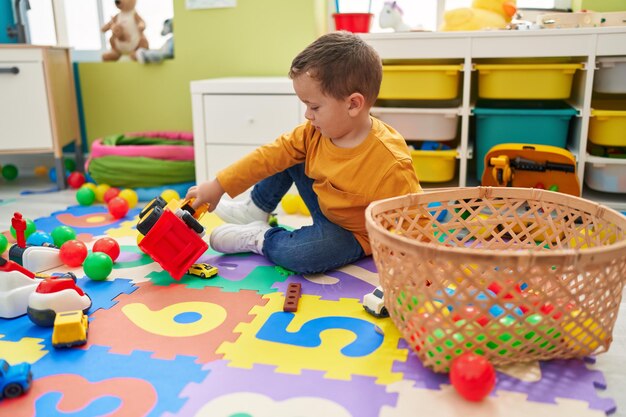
[{"x": 255, "y": 38}]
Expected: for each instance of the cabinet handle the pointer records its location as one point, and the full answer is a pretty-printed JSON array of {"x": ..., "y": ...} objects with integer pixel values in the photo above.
[{"x": 10, "y": 70}]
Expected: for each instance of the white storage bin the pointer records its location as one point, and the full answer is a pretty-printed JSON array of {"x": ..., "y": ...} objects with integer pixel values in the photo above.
[
  {"x": 610, "y": 178},
  {"x": 420, "y": 124},
  {"x": 611, "y": 75}
]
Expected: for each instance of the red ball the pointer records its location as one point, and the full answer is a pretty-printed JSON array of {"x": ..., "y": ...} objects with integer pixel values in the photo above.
[
  {"x": 110, "y": 194},
  {"x": 118, "y": 207},
  {"x": 472, "y": 376},
  {"x": 109, "y": 246},
  {"x": 73, "y": 253},
  {"x": 76, "y": 180}
]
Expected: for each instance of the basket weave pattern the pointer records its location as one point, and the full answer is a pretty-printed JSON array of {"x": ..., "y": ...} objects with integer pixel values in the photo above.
[{"x": 510, "y": 273}]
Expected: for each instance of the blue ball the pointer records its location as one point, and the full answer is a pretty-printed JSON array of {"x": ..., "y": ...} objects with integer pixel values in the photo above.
[
  {"x": 52, "y": 174},
  {"x": 39, "y": 238}
]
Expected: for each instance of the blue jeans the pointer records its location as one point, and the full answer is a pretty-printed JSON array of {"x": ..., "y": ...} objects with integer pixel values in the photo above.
[{"x": 311, "y": 249}]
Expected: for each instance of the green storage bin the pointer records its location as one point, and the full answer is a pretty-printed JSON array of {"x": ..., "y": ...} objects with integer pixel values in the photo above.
[{"x": 511, "y": 121}]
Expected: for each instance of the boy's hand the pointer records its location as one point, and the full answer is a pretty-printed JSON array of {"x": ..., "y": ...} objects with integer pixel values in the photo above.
[{"x": 207, "y": 192}]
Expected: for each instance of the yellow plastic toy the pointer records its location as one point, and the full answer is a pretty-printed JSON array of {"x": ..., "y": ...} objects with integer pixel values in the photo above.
[
  {"x": 70, "y": 329},
  {"x": 484, "y": 14}
]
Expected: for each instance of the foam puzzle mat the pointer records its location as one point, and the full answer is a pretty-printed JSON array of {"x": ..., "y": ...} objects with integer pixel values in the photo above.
[{"x": 223, "y": 347}]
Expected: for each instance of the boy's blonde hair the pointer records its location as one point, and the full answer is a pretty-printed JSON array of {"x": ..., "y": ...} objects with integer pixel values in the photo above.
[{"x": 343, "y": 64}]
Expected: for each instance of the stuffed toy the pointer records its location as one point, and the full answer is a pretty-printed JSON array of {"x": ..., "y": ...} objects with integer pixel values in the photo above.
[
  {"x": 146, "y": 56},
  {"x": 126, "y": 32},
  {"x": 484, "y": 14},
  {"x": 391, "y": 16}
]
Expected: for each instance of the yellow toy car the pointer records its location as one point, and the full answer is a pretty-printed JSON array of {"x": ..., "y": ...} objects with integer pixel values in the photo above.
[
  {"x": 203, "y": 270},
  {"x": 70, "y": 329}
]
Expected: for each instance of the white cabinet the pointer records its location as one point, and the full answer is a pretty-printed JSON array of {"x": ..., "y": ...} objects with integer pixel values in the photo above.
[
  {"x": 38, "y": 110},
  {"x": 583, "y": 45},
  {"x": 233, "y": 116}
]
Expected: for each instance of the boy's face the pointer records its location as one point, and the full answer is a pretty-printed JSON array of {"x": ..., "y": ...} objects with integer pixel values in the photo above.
[{"x": 327, "y": 114}]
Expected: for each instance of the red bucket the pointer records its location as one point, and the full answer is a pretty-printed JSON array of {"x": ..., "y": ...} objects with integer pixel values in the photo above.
[{"x": 353, "y": 22}]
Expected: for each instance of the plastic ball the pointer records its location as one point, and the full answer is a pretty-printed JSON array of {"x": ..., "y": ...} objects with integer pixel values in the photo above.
[
  {"x": 302, "y": 207},
  {"x": 52, "y": 174},
  {"x": 289, "y": 203},
  {"x": 4, "y": 242},
  {"x": 85, "y": 196},
  {"x": 110, "y": 193},
  {"x": 70, "y": 165},
  {"x": 130, "y": 196},
  {"x": 89, "y": 185},
  {"x": 62, "y": 234},
  {"x": 118, "y": 207},
  {"x": 73, "y": 253},
  {"x": 9, "y": 172},
  {"x": 39, "y": 238},
  {"x": 30, "y": 229},
  {"x": 76, "y": 180},
  {"x": 97, "y": 266},
  {"x": 109, "y": 246},
  {"x": 472, "y": 376},
  {"x": 41, "y": 171},
  {"x": 169, "y": 195},
  {"x": 100, "y": 190}
]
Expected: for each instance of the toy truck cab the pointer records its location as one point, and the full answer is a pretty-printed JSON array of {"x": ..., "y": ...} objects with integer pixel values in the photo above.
[
  {"x": 374, "y": 303},
  {"x": 70, "y": 329},
  {"x": 14, "y": 380}
]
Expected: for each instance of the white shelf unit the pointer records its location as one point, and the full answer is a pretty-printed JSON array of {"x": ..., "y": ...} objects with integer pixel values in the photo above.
[{"x": 584, "y": 45}]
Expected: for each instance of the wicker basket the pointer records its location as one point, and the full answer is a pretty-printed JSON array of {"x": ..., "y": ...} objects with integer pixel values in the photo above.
[{"x": 514, "y": 274}]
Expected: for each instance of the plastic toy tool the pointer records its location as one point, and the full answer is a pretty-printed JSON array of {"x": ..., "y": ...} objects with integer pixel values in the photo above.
[
  {"x": 19, "y": 224},
  {"x": 172, "y": 234}
]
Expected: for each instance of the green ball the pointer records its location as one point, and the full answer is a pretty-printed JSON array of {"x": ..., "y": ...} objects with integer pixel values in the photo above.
[
  {"x": 30, "y": 229},
  {"x": 9, "y": 172},
  {"x": 62, "y": 234},
  {"x": 98, "y": 266},
  {"x": 85, "y": 196},
  {"x": 3, "y": 243},
  {"x": 69, "y": 164}
]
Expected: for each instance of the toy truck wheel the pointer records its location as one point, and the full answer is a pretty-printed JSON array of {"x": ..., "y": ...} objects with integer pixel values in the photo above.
[
  {"x": 157, "y": 202},
  {"x": 192, "y": 223},
  {"x": 146, "y": 223},
  {"x": 13, "y": 390}
]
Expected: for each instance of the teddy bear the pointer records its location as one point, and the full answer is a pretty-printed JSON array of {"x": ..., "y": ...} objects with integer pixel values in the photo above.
[
  {"x": 126, "y": 32},
  {"x": 484, "y": 14}
]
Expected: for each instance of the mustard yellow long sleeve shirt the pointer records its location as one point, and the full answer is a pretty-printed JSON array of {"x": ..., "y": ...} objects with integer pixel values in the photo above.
[{"x": 346, "y": 180}]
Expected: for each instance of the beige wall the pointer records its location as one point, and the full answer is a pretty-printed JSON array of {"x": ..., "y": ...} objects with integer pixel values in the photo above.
[{"x": 255, "y": 38}]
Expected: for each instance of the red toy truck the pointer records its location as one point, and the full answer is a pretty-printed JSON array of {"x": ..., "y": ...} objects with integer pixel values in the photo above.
[{"x": 172, "y": 234}]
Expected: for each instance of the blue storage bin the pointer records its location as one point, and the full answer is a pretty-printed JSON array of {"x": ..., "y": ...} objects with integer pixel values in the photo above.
[{"x": 509, "y": 121}]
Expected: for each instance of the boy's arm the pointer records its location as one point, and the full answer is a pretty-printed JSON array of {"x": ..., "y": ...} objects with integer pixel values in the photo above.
[{"x": 286, "y": 151}]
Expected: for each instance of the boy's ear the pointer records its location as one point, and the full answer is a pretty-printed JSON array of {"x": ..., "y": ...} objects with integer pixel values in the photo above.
[{"x": 356, "y": 103}]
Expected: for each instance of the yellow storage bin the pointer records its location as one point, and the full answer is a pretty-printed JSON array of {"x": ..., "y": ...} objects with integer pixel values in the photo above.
[
  {"x": 420, "y": 82},
  {"x": 608, "y": 123},
  {"x": 526, "y": 81},
  {"x": 434, "y": 166}
]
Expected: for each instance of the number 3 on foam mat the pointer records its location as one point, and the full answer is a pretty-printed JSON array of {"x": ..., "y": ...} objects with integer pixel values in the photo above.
[{"x": 367, "y": 339}]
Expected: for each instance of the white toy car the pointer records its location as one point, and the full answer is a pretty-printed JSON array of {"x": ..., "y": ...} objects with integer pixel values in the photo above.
[{"x": 374, "y": 303}]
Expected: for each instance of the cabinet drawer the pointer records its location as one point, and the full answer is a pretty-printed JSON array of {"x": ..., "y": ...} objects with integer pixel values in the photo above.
[
  {"x": 219, "y": 157},
  {"x": 24, "y": 113},
  {"x": 249, "y": 119}
]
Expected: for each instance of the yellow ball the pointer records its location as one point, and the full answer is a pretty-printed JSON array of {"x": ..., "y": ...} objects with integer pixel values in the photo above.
[
  {"x": 41, "y": 171},
  {"x": 100, "y": 190},
  {"x": 289, "y": 203},
  {"x": 130, "y": 196},
  {"x": 586, "y": 334},
  {"x": 89, "y": 185},
  {"x": 169, "y": 195},
  {"x": 302, "y": 207}
]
